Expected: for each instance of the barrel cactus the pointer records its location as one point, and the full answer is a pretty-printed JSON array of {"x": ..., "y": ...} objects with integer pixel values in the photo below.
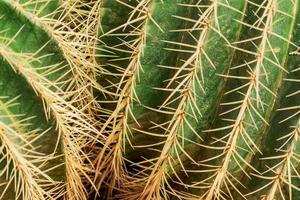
[{"x": 149, "y": 99}]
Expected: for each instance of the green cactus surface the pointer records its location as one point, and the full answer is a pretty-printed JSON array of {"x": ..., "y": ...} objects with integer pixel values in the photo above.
[{"x": 149, "y": 99}]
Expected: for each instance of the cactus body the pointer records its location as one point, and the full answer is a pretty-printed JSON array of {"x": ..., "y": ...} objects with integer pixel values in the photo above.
[{"x": 149, "y": 99}]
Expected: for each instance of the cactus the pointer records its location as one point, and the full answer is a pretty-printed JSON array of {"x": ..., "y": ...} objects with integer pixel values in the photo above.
[
  {"x": 149, "y": 99},
  {"x": 45, "y": 123}
]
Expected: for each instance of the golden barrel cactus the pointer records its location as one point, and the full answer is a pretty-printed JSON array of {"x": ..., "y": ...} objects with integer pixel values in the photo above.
[{"x": 149, "y": 99}]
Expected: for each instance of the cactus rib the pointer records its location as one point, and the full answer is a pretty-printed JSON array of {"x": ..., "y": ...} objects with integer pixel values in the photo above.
[
  {"x": 114, "y": 166},
  {"x": 28, "y": 174},
  {"x": 256, "y": 83}
]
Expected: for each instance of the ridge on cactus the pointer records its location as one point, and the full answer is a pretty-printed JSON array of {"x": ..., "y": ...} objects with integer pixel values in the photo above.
[{"x": 149, "y": 99}]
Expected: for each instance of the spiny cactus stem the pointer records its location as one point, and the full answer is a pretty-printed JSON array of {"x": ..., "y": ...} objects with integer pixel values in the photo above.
[
  {"x": 86, "y": 41},
  {"x": 75, "y": 58},
  {"x": 237, "y": 128},
  {"x": 30, "y": 16},
  {"x": 14, "y": 141},
  {"x": 31, "y": 188},
  {"x": 283, "y": 169},
  {"x": 62, "y": 111},
  {"x": 125, "y": 95},
  {"x": 158, "y": 174},
  {"x": 19, "y": 62},
  {"x": 92, "y": 29}
]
